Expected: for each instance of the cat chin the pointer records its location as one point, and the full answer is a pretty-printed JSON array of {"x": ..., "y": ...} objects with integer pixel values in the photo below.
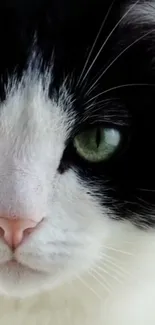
[
  {"x": 20, "y": 281},
  {"x": 17, "y": 280}
]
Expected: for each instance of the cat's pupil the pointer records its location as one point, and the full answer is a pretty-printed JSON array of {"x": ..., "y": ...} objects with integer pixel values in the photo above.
[{"x": 98, "y": 137}]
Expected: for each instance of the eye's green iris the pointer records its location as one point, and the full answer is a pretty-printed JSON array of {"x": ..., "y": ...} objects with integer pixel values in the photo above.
[{"x": 97, "y": 144}]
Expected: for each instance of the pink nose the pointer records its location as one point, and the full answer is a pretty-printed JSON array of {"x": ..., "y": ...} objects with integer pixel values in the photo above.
[{"x": 15, "y": 231}]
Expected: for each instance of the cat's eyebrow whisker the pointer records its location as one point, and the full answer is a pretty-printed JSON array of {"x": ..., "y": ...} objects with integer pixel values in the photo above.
[
  {"x": 106, "y": 100},
  {"x": 144, "y": 203},
  {"x": 93, "y": 105},
  {"x": 105, "y": 119},
  {"x": 116, "y": 58},
  {"x": 108, "y": 37},
  {"x": 80, "y": 80},
  {"x": 145, "y": 190},
  {"x": 119, "y": 87}
]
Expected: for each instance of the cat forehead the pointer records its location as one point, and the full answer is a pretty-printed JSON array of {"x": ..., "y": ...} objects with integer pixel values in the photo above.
[
  {"x": 52, "y": 29},
  {"x": 29, "y": 98},
  {"x": 69, "y": 27}
]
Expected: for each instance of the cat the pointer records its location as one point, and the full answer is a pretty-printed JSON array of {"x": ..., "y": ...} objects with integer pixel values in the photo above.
[{"x": 77, "y": 180}]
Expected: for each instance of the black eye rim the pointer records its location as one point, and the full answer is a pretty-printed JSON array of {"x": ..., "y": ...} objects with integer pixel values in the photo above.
[
  {"x": 89, "y": 127},
  {"x": 70, "y": 156}
]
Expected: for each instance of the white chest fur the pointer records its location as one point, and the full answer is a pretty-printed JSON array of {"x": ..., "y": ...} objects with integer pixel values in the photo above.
[
  {"x": 123, "y": 293},
  {"x": 74, "y": 304}
]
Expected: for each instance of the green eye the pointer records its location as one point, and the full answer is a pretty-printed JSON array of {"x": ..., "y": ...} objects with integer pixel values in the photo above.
[{"x": 97, "y": 144}]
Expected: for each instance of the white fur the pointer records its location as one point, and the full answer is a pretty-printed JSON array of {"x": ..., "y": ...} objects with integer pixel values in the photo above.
[
  {"x": 81, "y": 267},
  {"x": 142, "y": 13},
  {"x": 129, "y": 301}
]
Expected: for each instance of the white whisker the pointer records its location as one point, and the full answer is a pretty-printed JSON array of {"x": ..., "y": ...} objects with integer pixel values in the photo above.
[
  {"x": 118, "y": 250},
  {"x": 112, "y": 261},
  {"x": 108, "y": 37},
  {"x": 113, "y": 269},
  {"x": 119, "y": 87},
  {"x": 88, "y": 287},
  {"x": 96, "y": 39},
  {"x": 145, "y": 190},
  {"x": 117, "y": 57},
  {"x": 105, "y": 101},
  {"x": 105, "y": 272},
  {"x": 104, "y": 284},
  {"x": 93, "y": 105}
]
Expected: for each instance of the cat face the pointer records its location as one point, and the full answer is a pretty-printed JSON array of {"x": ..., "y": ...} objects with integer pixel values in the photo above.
[{"x": 76, "y": 134}]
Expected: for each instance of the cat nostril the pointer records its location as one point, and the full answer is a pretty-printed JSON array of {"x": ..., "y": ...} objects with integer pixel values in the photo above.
[
  {"x": 1, "y": 232},
  {"x": 15, "y": 231},
  {"x": 28, "y": 231}
]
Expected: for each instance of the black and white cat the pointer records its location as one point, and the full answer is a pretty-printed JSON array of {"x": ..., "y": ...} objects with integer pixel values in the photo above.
[{"x": 77, "y": 163}]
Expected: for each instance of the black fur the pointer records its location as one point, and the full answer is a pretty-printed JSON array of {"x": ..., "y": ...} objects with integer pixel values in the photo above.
[{"x": 64, "y": 31}]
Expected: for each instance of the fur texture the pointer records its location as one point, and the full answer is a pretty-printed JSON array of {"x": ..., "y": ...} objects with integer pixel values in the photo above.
[{"x": 65, "y": 67}]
